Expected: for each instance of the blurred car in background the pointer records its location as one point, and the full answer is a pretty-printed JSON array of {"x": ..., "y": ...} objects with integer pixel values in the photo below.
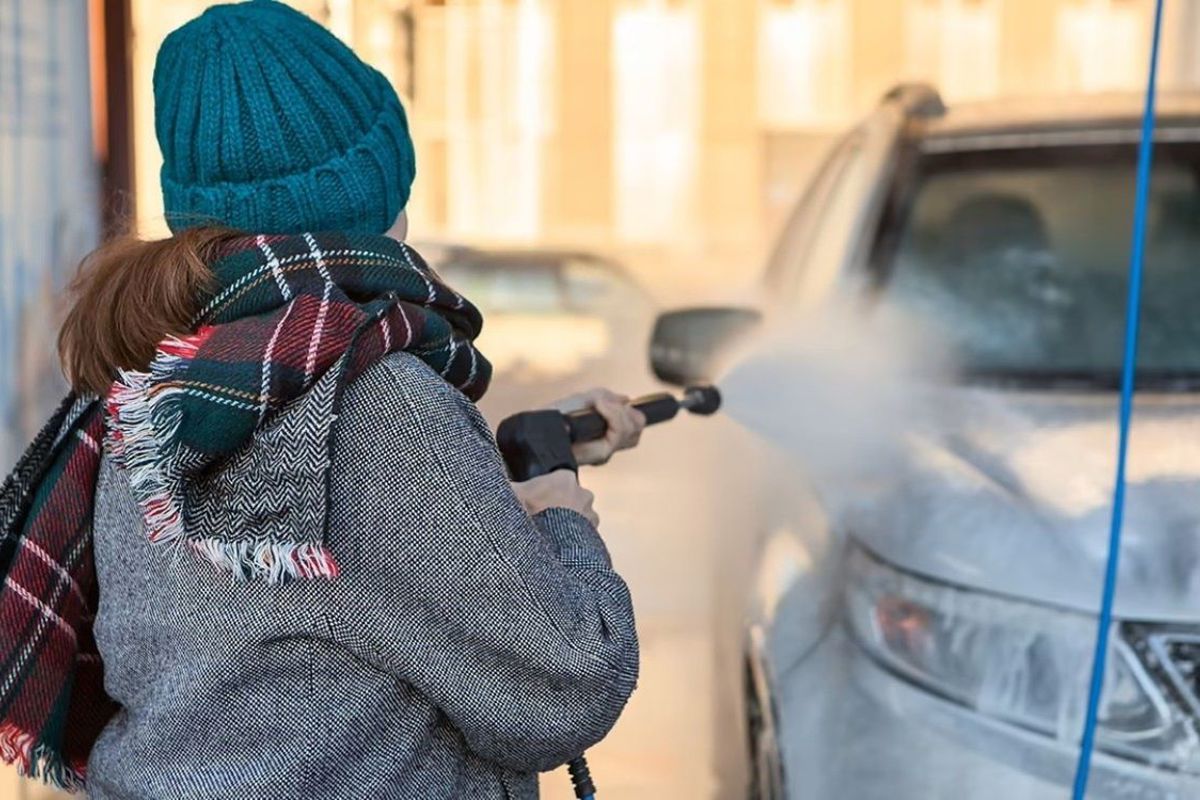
[
  {"x": 936, "y": 643},
  {"x": 553, "y": 319}
]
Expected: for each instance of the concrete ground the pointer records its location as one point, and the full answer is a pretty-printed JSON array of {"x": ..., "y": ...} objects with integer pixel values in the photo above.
[
  {"x": 662, "y": 747},
  {"x": 665, "y": 743}
]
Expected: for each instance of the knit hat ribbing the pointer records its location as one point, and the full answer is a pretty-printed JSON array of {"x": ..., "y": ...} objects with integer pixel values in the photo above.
[{"x": 269, "y": 124}]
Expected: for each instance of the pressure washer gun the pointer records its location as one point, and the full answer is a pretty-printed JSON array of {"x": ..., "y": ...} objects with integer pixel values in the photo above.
[{"x": 537, "y": 443}]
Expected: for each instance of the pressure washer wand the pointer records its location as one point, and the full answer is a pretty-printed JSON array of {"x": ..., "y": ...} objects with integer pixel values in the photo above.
[{"x": 537, "y": 443}]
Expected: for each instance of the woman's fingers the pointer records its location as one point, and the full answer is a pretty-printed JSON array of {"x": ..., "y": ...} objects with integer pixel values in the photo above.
[
  {"x": 557, "y": 490},
  {"x": 590, "y": 511},
  {"x": 625, "y": 423}
]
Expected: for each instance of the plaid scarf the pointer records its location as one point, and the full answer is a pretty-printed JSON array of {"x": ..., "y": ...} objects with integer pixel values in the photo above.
[{"x": 292, "y": 317}]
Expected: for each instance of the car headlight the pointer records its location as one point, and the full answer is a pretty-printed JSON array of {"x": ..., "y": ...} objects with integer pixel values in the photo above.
[{"x": 1023, "y": 663}]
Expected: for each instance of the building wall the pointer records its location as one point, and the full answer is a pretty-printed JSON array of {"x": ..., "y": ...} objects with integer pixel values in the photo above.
[{"x": 679, "y": 126}]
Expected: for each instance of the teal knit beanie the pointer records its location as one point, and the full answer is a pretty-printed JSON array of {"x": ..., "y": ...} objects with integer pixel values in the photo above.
[{"x": 269, "y": 124}]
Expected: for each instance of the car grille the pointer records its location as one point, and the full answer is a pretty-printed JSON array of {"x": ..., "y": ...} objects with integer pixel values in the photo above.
[{"x": 1176, "y": 656}]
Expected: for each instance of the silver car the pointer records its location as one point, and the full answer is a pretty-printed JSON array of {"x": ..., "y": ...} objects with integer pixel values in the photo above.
[{"x": 937, "y": 642}]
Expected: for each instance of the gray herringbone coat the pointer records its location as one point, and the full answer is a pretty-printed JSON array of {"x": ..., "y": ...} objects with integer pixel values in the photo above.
[{"x": 463, "y": 648}]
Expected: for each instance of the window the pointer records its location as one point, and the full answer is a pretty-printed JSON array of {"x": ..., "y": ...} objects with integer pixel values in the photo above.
[
  {"x": 499, "y": 61},
  {"x": 1020, "y": 260},
  {"x": 1103, "y": 46},
  {"x": 954, "y": 44},
  {"x": 805, "y": 64},
  {"x": 506, "y": 287},
  {"x": 656, "y": 58}
]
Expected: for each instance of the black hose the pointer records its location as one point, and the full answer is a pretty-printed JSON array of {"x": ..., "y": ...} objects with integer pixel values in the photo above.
[{"x": 581, "y": 779}]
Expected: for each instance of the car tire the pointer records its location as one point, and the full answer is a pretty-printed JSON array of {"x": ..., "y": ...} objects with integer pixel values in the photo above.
[{"x": 766, "y": 768}]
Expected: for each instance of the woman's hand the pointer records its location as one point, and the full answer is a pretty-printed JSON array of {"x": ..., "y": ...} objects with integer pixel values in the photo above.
[
  {"x": 625, "y": 424},
  {"x": 559, "y": 489}
]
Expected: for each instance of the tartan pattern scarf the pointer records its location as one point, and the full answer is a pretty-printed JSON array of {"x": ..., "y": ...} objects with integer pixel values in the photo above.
[{"x": 292, "y": 321}]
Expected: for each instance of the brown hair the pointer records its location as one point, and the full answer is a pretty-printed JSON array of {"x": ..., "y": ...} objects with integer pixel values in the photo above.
[{"x": 127, "y": 296}]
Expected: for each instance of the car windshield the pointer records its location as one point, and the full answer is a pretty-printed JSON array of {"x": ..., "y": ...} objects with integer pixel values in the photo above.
[
  {"x": 1019, "y": 259},
  {"x": 501, "y": 288},
  {"x": 538, "y": 285}
]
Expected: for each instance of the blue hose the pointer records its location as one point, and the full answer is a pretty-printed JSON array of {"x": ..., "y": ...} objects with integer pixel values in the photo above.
[{"x": 1128, "y": 373}]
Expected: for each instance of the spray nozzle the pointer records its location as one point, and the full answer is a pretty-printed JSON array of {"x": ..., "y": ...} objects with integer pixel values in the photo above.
[{"x": 702, "y": 400}]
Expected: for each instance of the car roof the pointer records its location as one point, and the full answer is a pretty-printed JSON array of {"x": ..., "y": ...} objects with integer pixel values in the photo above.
[
  {"x": 444, "y": 254},
  {"x": 527, "y": 258},
  {"x": 1117, "y": 114}
]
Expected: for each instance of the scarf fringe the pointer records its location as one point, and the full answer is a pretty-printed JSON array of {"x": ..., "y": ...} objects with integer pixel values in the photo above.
[
  {"x": 19, "y": 748},
  {"x": 274, "y": 562},
  {"x": 148, "y": 424},
  {"x": 149, "y": 421}
]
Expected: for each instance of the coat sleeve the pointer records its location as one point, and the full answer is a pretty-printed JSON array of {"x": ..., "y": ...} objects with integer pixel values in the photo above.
[{"x": 518, "y": 629}]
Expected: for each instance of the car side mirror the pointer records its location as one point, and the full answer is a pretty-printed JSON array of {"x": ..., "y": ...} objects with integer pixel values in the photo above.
[{"x": 687, "y": 345}]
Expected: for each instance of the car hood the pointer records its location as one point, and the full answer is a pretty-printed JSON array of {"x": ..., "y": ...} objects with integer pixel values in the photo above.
[{"x": 1012, "y": 493}]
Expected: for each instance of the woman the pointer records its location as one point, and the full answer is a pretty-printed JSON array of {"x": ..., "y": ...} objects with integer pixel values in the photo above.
[{"x": 267, "y": 547}]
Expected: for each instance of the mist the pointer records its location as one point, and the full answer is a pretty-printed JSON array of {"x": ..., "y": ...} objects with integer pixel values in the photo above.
[{"x": 840, "y": 390}]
